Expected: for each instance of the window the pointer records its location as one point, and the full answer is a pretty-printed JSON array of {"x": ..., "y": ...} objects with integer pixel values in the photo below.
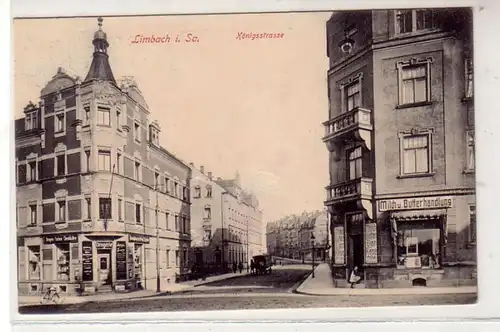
[
  {"x": 137, "y": 171},
  {"x": 33, "y": 214},
  {"x": 185, "y": 225},
  {"x": 118, "y": 162},
  {"x": 104, "y": 208},
  {"x": 88, "y": 202},
  {"x": 137, "y": 132},
  {"x": 104, "y": 160},
  {"x": 208, "y": 212},
  {"x": 59, "y": 123},
  {"x": 355, "y": 164},
  {"x": 167, "y": 185},
  {"x": 177, "y": 257},
  {"x": 168, "y": 258},
  {"x": 61, "y": 211},
  {"x": 408, "y": 21},
  {"x": 353, "y": 96},
  {"x": 469, "y": 76},
  {"x": 87, "y": 160},
  {"x": 31, "y": 121},
  {"x": 155, "y": 138},
  {"x": 120, "y": 212},
  {"x": 176, "y": 189},
  {"x": 103, "y": 116},
  {"x": 472, "y": 224},
  {"x": 197, "y": 192},
  {"x": 118, "y": 119},
  {"x": 415, "y": 154},
  {"x": 470, "y": 150},
  {"x": 414, "y": 84},
  {"x": 31, "y": 174},
  {"x": 418, "y": 248},
  {"x": 63, "y": 261},
  {"x": 167, "y": 226},
  {"x": 207, "y": 235},
  {"x": 176, "y": 223},
  {"x": 209, "y": 191},
  {"x": 157, "y": 181},
  {"x": 138, "y": 213},
  {"x": 34, "y": 263},
  {"x": 61, "y": 165},
  {"x": 86, "y": 115}
]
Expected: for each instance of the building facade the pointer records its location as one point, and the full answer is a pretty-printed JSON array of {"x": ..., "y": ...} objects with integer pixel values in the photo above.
[
  {"x": 314, "y": 227},
  {"x": 226, "y": 222},
  {"x": 100, "y": 204},
  {"x": 400, "y": 136}
]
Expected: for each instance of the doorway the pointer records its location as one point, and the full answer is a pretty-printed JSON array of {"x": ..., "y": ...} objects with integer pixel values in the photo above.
[
  {"x": 355, "y": 251},
  {"x": 104, "y": 264}
]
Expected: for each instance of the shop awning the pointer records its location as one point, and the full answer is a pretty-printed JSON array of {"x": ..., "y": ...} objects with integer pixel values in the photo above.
[{"x": 418, "y": 215}]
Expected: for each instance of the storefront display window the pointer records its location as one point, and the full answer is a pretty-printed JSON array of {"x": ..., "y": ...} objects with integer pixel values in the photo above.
[
  {"x": 63, "y": 261},
  {"x": 34, "y": 263},
  {"x": 138, "y": 262},
  {"x": 418, "y": 248}
]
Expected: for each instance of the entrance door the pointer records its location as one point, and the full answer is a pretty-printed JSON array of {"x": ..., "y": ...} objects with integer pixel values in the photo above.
[
  {"x": 355, "y": 251},
  {"x": 104, "y": 268}
]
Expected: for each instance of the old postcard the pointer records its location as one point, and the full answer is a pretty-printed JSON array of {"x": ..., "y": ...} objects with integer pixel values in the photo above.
[{"x": 245, "y": 161}]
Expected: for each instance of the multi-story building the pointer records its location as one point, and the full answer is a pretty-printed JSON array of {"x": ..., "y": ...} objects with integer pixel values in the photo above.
[
  {"x": 226, "y": 222},
  {"x": 271, "y": 238},
  {"x": 100, "y": 204},
  {"x": 314, "y": 227},
  {"x": 401, "y": 139}
]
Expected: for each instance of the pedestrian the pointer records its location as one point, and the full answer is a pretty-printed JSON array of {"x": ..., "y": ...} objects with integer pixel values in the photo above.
[
  {"x": 235, "y": 267},
  {"x": 354, "y": 278},
  {"x": 252, "y": 266},
  {"x": 240, "y": 267}
]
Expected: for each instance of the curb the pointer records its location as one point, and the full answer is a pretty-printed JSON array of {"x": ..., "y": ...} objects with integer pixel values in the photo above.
[
  {"x": 299, "y": 283},
  {"x": 379, "y": 291}
]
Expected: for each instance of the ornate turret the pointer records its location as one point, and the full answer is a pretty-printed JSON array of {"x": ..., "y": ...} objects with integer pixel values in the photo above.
[{"x": 100, "y": 68}]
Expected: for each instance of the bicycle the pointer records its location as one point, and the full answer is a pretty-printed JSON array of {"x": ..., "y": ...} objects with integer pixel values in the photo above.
[{"x": 51, "y": 295}]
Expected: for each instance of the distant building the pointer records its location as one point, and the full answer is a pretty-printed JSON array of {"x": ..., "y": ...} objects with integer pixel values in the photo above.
[
  {"x": 100, "y": 204},
  {"x": 400, "y": 135},
  {"x": 314, "y": 223},
  {"x": 226, "y": 222}
]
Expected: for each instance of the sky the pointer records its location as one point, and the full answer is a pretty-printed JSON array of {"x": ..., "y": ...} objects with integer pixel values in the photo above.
[{"x": 229, "y": 104}]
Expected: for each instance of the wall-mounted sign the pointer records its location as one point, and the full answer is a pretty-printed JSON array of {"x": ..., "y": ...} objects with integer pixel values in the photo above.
[
  {"x": 87, "y": 266},
  {"x": 121, "y": 260},
  {"x": 104, "y": 245},
  {"x": 371, "y": 243},
  {"x": 415, "y": 203},
  {"x": 60, "y": 238},
  {"x": 339, "y": 245},
  {"x": 138, "y": 238}
]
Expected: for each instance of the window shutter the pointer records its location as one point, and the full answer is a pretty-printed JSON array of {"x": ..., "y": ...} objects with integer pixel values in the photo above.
[{"x": 22, "y": 264}]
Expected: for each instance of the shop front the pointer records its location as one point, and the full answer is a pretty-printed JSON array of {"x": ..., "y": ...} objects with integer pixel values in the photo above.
[{"x": 81, "y": 263}]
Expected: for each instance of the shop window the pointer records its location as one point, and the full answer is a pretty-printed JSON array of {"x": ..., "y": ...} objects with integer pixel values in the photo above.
[
  {"x": 472, "y": 224},
  {"x": 104, "y": 160},
  {"x": 418, "y": 248},
  {"x": 105, "y": 208},
  {"x": 31, "y": 120},
  {"x": 197, "y": 192},
  {"x": 61, "y": 165},
  {"x": 138, "y": 261},
  {"x": 471, "y": 165},
  {"x": 138, "y": 209},
  {"x": 355, "y": 164},
  {"x": 63, "y": 261},
  {"x": 416, "y": 154},
  {"x": 103, "y": 116},
  {"x": 33, "y": 214},
  {"x": 34, "y": 269}
]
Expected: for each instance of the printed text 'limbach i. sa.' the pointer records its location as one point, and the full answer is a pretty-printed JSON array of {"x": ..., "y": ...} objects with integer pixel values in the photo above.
[{"x": 165, "y": 38}]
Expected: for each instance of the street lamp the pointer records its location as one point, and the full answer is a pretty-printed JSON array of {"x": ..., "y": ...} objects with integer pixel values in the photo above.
[{"x": 312, "y": 243}]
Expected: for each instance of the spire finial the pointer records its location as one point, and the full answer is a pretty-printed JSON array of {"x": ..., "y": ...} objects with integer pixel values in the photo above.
[{"x": 99, "y": 22}]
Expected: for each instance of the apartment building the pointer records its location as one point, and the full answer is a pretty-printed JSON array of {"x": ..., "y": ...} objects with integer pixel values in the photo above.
[
  {"x": 100, "y": 204},
  {"x": 400, "y": 136}
]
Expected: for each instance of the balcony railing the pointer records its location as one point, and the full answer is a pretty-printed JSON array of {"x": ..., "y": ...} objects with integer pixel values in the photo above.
[
  {"x": 354, "y": 189},
  {"x": 357, "y": 118}
]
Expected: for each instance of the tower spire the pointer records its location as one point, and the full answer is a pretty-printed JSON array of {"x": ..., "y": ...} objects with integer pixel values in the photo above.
[{"x": 100, "y": 68}]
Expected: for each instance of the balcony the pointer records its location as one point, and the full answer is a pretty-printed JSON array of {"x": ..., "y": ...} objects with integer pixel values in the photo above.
[
  {"x": 357, "y": 189},
  {"x": 355, "y": 125}
]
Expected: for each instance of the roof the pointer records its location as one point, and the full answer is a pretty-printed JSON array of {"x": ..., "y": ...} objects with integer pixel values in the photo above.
[{"x": 100, "y": 69}]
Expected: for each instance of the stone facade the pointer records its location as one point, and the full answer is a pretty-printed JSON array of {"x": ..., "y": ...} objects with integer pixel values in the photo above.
[{"x": 401, "y": 140}]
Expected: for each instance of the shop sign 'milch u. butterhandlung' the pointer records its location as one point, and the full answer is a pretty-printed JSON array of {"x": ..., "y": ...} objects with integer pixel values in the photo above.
[{"x": 442, "y": 202}]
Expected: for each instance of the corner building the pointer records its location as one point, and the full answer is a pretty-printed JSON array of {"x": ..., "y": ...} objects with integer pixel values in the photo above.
[
  {"x": 101, "y": 205},
  {"x": 400, "y": 136}
]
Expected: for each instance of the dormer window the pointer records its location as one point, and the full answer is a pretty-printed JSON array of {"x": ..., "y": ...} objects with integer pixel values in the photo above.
[
  {"x": 154, "y": 134},
  {"x": 31, "y": 121}
]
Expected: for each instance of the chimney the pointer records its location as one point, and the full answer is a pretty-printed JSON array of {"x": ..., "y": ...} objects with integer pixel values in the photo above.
[
  {"x": 209, "y": 175},
  {"x": 191, "y": 164},
  {"x": 202, "y": 169}
]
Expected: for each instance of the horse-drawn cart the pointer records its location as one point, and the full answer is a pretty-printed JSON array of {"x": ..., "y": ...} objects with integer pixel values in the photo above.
[{"x": 262, "y": 264}]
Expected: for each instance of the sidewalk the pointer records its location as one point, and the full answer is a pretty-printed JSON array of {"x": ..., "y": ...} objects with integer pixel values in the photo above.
[
  {"x": 322, "y": 284},
  {"x": 173, "y": 288}
]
